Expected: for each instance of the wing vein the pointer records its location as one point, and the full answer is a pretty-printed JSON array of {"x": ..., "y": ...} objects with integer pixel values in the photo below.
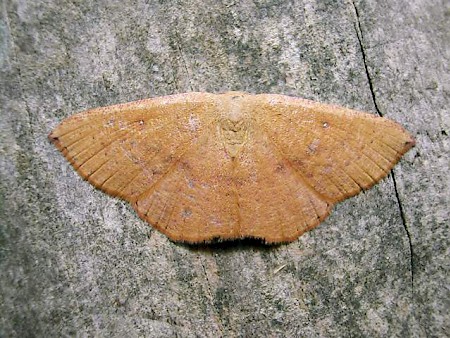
[
  {"x": 171, "y": 167},
  {"x": 351, "y": 145},
  {"x": 297, "y": 173},
  {"x": 108, "y": 145},
  {"x": 350, "y": 152},
  {"x": 365, "y": 145}
]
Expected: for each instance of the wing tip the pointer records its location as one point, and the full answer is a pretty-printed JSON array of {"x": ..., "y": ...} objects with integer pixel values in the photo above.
[
  {"x": 51, "y": 136},
  {"x": 54, "y": 138},
  {"x": 410, "y": 143}
]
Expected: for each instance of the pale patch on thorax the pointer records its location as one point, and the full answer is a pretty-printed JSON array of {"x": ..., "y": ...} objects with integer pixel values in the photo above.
[
  {"x": 233, "y": 124},
  {"x": 234, "y": 134}
]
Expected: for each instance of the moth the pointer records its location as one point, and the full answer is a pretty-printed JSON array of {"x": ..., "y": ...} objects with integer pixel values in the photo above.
[{"x": 201, "y": 167}]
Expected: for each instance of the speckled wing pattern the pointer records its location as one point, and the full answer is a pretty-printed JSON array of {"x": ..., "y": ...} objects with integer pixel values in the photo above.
[{"x": 200, "y": 167}]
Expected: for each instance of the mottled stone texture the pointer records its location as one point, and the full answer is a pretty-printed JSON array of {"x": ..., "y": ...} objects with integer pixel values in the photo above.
[{"x": 74, "y": 261}]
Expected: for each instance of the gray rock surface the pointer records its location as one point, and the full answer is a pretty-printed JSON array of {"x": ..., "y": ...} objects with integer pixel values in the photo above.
[{"x": 74, "y": 261}]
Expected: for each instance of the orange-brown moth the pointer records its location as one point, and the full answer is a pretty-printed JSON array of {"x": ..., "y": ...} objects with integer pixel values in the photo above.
[{"x": 200, "y": 167}]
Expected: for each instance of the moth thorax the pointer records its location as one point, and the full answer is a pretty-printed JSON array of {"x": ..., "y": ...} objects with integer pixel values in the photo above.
[{"x": 234, "y": 134}]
